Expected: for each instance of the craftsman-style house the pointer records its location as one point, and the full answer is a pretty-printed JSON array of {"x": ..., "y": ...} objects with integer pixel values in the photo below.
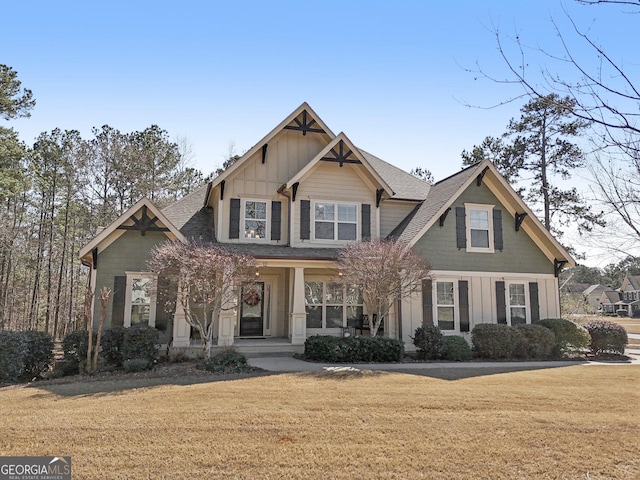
[{"x": 301, "y": 193}]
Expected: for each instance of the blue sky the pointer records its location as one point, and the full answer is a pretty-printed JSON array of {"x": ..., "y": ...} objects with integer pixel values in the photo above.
[{"x": 391, "y": 75}]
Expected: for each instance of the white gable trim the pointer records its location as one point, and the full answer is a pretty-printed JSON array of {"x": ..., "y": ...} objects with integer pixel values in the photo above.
[
  {"x": 265, "y": 140},
  {"x": 105, "y": 237},
  {"x": 309, "y": 167}
]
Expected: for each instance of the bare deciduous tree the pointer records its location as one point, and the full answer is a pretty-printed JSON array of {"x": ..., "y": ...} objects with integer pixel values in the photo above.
[
  {"x": 384, "y": 271},
  {"x": 208, "y": 281}
]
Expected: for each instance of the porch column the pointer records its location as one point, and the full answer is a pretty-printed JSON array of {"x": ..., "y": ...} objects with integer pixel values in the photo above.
[
  {"x": 227, "y": 322},
  {"x": 298, "y": 315},
  {"x": 181, "y": 328}
]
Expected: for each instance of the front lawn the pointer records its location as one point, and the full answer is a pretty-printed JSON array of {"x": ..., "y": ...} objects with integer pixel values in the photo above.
[{"x": 577, "y": 422}]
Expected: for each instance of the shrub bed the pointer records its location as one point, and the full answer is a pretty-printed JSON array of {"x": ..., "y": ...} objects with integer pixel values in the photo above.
[
  {"x": 24, "y": 355},
  {"x": 535, "y": 342},
  {"x": 457, "y": 349},
  {"x": 324, "y": 348},
  {"x": 13, "y": 349},
  {"x": 607, "y": 337},
  {"x": 494, "y": 341},
  {"x": 429, "y": 342},
  {"x": 227, "y": 361},
  {"x": 570, "y": 337}
]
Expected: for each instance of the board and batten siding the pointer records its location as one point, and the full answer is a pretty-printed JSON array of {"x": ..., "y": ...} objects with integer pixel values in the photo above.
[
  {"x": 287, "y": 153},
  {"x": 482, "y": 299},
  {"x": 520, "y": 254},
  {"x": 329, "y": 182},
  {"x": 128, "y": 253},
  {"x": 392, "y": 213}
]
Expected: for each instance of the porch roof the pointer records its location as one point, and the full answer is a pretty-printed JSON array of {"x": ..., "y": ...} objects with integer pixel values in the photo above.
[{"x": 282, "y": 251}]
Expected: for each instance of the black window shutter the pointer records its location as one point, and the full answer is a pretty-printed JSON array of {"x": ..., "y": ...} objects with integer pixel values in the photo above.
[
  {"x": 234, "y": 218},
  {"x": 535, "y": 303},
  {"x": 463, "y": 300},
  {"x": 117, "y": 310},
  {"x": 427, "y": 302},
  {"x": 498, "y": 244},
  {"x": 501, "y": 306},
  {"x": 276, "y": 215},
  {"x": 305, "y": 219},
  {"x": 461, "y": 228},
  {"x": 366, "y": 221}
]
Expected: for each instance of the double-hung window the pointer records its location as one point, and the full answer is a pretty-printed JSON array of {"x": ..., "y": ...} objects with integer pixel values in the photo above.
[
  {"x": 140, "y": 302},
  {"x": 335, "y": 221},
  {"x": 479, "y": 228},
  {"x": 255, "y": 219},
  {"x": 517, "y": 304},
  {"x": 445, "y": 305}
]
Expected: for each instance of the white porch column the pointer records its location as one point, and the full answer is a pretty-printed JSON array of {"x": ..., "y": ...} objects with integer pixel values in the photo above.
[
  {"x": 226, "y": 327},
  {"x": 181, "y": 328},
  {"x": 298, "y": 315}
]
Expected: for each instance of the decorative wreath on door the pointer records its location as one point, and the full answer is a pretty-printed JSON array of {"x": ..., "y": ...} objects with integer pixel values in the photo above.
[{"x": 252, "y": 298}]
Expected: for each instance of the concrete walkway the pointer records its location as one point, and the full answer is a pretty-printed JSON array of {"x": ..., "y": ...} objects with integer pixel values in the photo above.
[{"x": 290, "y": 364}]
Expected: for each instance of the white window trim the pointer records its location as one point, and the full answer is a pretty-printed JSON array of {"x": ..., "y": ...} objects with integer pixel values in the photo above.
[
  {"x": 267, "y": 230},
  {"x": 489, "y": 209},
  {"x": 335, "y": 221},
  {"x": 456, "y": 304},
  {"x": 526, "y": 299},
  {"x": 324, "y": 305},
  {"x": 131, "y": 276}
]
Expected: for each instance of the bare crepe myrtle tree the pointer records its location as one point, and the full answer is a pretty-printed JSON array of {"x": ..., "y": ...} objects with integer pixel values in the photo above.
[
  {"x": 384, "y": 271},
  {"x": 207, "y": 278}
]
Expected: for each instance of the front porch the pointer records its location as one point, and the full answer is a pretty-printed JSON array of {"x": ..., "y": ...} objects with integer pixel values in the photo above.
[{"x": 249, "y": 347}]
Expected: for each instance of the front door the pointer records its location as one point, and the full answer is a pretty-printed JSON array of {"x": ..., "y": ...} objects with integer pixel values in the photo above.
[{"x": 252, "y": 310}]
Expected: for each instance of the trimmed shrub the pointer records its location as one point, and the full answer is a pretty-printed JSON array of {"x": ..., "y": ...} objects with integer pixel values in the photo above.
[
  {"x": 607, "y": 337},
  {"x": 39, "y": 355},
  {"x": 13, "y": 350},
  {"x": 132, "y": 365},
  {"x": 325, "y": 348},
  {"x": 227, "y": 361},
  {"x": 570, "y": 337},
  {"x": 621, "y": 312},
  {"x": 457, "y": 349},
  {"x": 75, "y": 347},
  {"x": 429, "y": 342},
  {"x": 140, "y": 342},
  {"x": 535, "y": 341},
  {"x": 494, "y": 341},
  {"x": 111, "y": 346}
]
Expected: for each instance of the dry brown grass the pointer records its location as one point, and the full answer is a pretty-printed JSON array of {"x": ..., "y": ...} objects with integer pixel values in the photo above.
[{"x": 578, "y": 422}]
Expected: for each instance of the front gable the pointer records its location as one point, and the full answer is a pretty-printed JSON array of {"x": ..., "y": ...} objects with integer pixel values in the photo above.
[{"x": 511, "y": 250}]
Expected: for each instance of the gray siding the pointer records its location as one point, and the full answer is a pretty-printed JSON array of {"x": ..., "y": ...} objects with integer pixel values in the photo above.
[
  {"x": 129, "y": 252},
  {"x": 520, "y": 254}
]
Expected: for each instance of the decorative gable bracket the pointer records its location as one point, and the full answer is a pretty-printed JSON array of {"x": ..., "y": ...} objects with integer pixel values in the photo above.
[
  {"x": 379, "y": 192},
  {"x": 443, "y": 217},
  {"x": 306, "y": 125},
  {"x": 341, "y": 157},
  {"x": 481, "y": 176},
  {"x": 558, "y": 265},
  {"x": 144, "y": 224},
  {"x": 519, "y": 219}
]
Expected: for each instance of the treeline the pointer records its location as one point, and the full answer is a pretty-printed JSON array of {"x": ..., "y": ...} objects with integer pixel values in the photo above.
[{"x": 55, "y": 195}]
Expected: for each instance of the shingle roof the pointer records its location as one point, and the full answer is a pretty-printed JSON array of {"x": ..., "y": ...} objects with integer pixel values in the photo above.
[
  {"x": 439, "y": 195},
  {"x": 612, "y": 295},
  {"x": 404, "y": 185},
  {"x": 283, "y": 251},
  {"x": 191, "y": 217},
  {"x": 634, "y": 280}
]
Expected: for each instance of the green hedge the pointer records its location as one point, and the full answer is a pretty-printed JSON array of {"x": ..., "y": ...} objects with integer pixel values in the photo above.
[
  {"x": 457, "y": 349},
  {"x": 227, "y": 361},
  {"x": 535, "y": 342},
  {"x": 429, "y": 342},
  {"x": 325, "y": 348},
  {"x": 24, "y": 355},
  {"x": 570, "y": 337},
  {"x": 495, "y": 341},
  {"x": 607, "y": 337}
]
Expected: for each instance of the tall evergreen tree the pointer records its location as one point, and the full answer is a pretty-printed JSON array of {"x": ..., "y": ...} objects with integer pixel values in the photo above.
[{"x": 536, "y": 154}]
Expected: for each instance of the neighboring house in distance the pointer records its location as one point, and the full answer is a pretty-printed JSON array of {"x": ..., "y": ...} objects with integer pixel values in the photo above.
[
  {"x": 301, "y": 193},
  {"x": 609, "y": 301},
  {"x": 592, "y": 295},
  {"x": 630, "y": 295}
]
